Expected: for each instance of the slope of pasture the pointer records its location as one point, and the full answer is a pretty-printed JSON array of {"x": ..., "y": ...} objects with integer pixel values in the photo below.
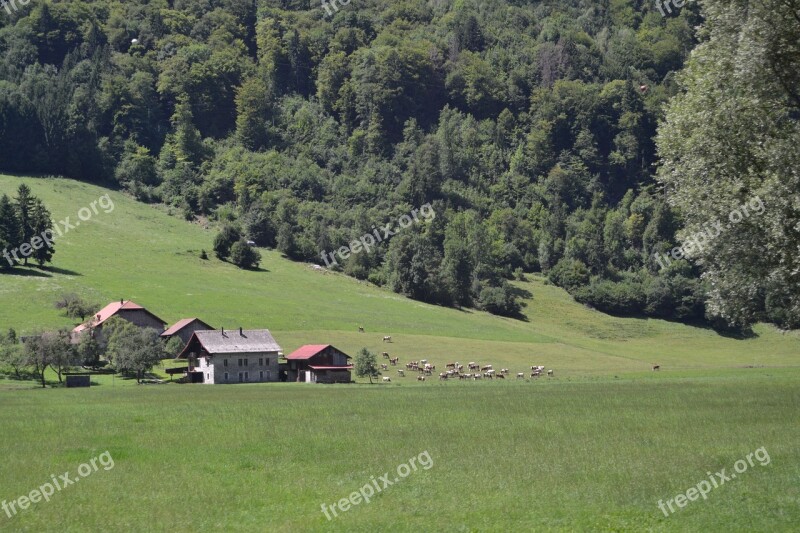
[
  {"x": 515, "y": 456},
  {"x": 142, "y": 253}
]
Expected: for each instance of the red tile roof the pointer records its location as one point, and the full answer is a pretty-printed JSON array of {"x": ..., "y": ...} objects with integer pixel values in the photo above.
[
  {"x": 109, "y": 311},
  {"x": 348, "y": 367},
  {"x": 307, "y": 352}
]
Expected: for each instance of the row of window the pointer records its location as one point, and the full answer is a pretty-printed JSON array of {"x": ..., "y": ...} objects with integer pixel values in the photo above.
[
  {"x": 245, "y": 376},
  {"x": 246, "y": 362}
]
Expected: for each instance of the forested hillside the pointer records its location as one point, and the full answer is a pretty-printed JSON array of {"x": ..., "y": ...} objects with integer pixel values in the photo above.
[{"x": 529, "y": 127}]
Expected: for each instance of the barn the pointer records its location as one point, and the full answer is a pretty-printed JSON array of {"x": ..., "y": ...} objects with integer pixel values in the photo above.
[
  {"x": 184, "y": 328},
  {"x": 319, "y": 363},
  {"x": 125, "y": 309},
  {"x": 238, "y": 356}
]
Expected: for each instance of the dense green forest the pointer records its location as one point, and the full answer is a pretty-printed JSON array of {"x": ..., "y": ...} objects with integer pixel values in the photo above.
[{"x": 530, "y": 127}]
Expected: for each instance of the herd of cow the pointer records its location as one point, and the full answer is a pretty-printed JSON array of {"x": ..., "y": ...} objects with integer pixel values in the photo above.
[{"x": 425, "y": 369}]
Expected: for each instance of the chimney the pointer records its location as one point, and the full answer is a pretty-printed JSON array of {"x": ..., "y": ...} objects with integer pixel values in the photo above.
[{"x": 240, "y": 332}]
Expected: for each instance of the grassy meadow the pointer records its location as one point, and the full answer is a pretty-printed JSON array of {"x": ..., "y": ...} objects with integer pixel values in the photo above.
[
  {"x": 516, "y": 456},
  {"x": 592, "y": 449}
]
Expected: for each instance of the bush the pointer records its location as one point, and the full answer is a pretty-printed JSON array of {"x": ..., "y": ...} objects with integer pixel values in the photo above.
[
  {"x": 225, "y": 239},
  {"x": 623, "y": 298},
  {"x": 243, "y": 256},
  {"x": 569, "y": 274},
  {"x": 499, "y": 301}
]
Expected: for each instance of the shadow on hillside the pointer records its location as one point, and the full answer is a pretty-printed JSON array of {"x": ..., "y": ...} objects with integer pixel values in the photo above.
[
  {"x": 63, "y": 271},
  {"x": 32, "y": 271},
  {"x": 26, "y": 272}
]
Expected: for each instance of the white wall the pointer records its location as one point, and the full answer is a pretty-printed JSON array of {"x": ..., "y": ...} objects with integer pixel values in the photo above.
[{"x": 217, "y": 368}]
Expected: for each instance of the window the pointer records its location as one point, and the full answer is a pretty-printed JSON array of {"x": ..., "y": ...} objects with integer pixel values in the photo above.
[
  {"x": 224, "y": 362},
  {"x": 240, "y": 377},
  {"x": 260, "y": 361},
  {"x": 246, "y": 363},
  {"x": 226, "y": 376},
  {"x": 261, "y": 375}
]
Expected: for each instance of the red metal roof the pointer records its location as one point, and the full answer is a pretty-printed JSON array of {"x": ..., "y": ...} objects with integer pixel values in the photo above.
[
  {"x": 307, "y": 352},
  {"x": 107, "y": 312},
  {"x": 349, "y": 367}
]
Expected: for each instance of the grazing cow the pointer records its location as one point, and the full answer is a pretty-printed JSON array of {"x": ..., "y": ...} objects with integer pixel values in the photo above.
[
  {"x": 504, "y": 371},
  {"x": 656, "y": 367},
  {"x": 459, "y": 368},
  {"x": 520, "y": 375},
  {"x": 443, "y": 375},
  {"x": 387, "y": 338},
  {"x": 384, "y": 367},
  {"x": 385, "y": 355},
  {"x": 486, "y": 368},
  {"x": 394, "y": 361},
  {"x": 500, "y": 376},
  {"x": 474, "y": 366},
  {"x": 487, "y": 375},
  {"x": 477, "y": 376},
  {"x": 534, "y": 374},
  {"x": 550, "y": 373},
  {"x": 360, "y": 329},
  {"x": 420, "y": 378},
  {"x": 401, "y": 373},
  {"x": 423, "y": 362},
  {"x": 450, "y": 365},
  {"x": 387, "y": 379},
  {"x": 464, "y": 376}
]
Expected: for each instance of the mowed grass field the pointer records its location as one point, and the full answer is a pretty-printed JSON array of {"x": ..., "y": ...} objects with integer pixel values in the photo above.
[
  {"x": 592, "y": 449},
  {"x": 516, "y": 456}
]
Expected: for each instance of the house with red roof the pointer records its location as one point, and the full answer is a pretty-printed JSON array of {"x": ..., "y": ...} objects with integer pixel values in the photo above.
[
  {"x": 184, "y": 328},
  {"x": 319, "y": 363},
  {"x": 125, "y": 309}
]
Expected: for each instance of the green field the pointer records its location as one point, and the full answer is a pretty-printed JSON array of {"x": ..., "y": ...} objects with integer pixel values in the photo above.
[
  {"x": 593, "y": 448},
  {"x": 590, "y": 455}
]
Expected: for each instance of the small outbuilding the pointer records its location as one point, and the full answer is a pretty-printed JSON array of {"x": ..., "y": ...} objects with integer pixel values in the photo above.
[
  {"x": 319, "y": 363},
  {"x": 184, "y": 328}
]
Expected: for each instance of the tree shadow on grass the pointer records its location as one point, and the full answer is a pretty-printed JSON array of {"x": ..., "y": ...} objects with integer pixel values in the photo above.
[
  {"x": 57, "y": 270},
  {"x": 25, "y": 272},
  {"x": 32, "y": 271}
]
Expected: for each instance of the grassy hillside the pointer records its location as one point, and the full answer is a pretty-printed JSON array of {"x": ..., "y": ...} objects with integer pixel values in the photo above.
[{"x": 142, "y": 253}]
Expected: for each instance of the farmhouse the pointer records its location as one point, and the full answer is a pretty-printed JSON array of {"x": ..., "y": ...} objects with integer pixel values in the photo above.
[
  {"x": 239, "y": 356},
  {"x": 184, "y": 328},
  {"x": 125, "y": 309},
  {"x": 319, "y": 363}
]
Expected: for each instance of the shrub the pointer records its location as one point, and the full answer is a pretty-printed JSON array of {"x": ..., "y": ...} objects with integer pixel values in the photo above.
[
  {"x": 570, "y": 274},
  {"x": 244, "y": 256}
]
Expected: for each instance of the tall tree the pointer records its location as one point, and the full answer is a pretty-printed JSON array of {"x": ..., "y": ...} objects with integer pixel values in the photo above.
[
  {"x": 9, "y": 231},
  {"x": 25, "y": 204},
  {"x": 42, "y": 224},
  {"x": 729, "y": 145}
]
